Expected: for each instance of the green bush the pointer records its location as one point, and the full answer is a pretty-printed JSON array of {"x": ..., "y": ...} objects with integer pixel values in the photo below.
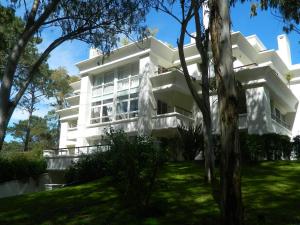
[
  {"x": 191, "y": 138},
  {"x": 87, "y": 168},
  {"x": 20, "y": 165},
  {"x": 131, "y": 162},
  {"x": 265, "y": 147},
  {"x": 296, "y": 146},
  {"x": 133, "y": 165}
]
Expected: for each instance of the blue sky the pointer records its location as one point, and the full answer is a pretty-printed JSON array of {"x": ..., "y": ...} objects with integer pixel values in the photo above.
[{"x": 265, "y": 26}]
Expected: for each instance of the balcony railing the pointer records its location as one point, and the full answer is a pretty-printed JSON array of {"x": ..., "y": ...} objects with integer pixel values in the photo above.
[
  {"x": 75, "y": 151},
  {"x": 280, "y": 121},
  {"x": 177, "y": 109}
]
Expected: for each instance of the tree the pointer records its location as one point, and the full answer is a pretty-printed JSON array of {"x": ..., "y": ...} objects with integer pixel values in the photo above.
[
  {"x": 190, "y": 10},
  {"x": 36, "y": 90},
  {"x": 230, "y": 171},
  {"x": 60, "y": 86},
  {"x": 39, "y": 134},
  {"x": 95, "y": 22}
]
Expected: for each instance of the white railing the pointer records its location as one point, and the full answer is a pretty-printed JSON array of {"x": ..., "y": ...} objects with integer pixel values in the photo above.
[
  {"x": 75, "y": 151},
  {"x": 280, "y": 121}
]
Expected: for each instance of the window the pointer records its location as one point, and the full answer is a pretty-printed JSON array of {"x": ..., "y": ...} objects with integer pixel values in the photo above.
[
  {"x": 125, "y": 104},
  {"x": 162, "y": 107}
]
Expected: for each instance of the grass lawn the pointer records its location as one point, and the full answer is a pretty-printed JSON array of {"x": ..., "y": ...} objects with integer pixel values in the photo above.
[{"x": 271, "y": 193}]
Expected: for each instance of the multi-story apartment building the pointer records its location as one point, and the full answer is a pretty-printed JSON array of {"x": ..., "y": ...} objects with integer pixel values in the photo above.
[{"x": 139, "y": 88}]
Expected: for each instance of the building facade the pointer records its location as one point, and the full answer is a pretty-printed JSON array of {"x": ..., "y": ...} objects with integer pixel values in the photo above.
[{"x": 140, "y": 89}]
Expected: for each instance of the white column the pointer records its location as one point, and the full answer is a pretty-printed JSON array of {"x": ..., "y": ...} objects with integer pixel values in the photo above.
[
  {"x": 258, "y": 107},
  {"x": 284, "y": 50},
  {"x": 63, "y": 135},
  {"x": 146, "y": 100},
  {"x": 296, "y": 126},
  {"x": 84, "y": 110}
]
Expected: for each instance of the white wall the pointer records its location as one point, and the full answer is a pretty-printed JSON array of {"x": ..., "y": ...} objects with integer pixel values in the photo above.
[
  {"x": 63, "y": 135},
  {"x": 84, "y": 109},
  {"x": 296, "y": 127},
  {"x": 257, "y": 109},
  {"x": 146, "y": 100}
]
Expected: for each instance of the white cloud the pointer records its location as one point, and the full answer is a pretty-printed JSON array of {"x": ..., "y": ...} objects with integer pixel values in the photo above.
[{"x": 65, "y": 55}]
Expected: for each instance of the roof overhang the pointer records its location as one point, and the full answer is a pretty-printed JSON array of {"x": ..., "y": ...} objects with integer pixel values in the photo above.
[{"x": 266, "y": 76}]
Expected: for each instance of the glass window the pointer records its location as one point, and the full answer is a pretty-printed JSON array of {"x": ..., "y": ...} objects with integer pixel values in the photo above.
[
  {"x": 122, "y": 107},
  {"x": 107, "y": 101},
  {"x": 162, "y": 107},
  {"x": 97, "y": 80},
  {"x": 96, "y": 103},
  {"x": 109, "y": 77},
  {"x": 124, "y": 72},
  {"x": 106, "y": 110},
  {"x": 135, "y": 69},
  {"x": 134, "y": 105},
  {"x": 93, "y": 121},
  {"x": 122, "y": 97},
  {"x": 95, "y": 112},
  {"x": 134, "y": 95}
]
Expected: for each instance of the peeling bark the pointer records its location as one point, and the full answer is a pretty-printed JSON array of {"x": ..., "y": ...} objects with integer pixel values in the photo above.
[{"x": 231, "y": 196}]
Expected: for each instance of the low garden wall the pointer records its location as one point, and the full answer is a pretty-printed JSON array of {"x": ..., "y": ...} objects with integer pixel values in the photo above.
[{"x": 23, "y": 186}]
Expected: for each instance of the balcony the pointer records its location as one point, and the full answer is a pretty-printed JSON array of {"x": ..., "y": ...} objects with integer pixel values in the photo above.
[
  {"x": 72, "y": 99},
  {"x": 279, "y": 126},
  {"x": 61, "y": 159},
  {"x": 170, "y": 80},
  {"x": 175, "y": 116},
  {"x": 68, "y": 112}
]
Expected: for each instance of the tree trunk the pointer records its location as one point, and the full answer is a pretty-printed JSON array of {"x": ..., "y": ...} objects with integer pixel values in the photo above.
[
  {"x": 3, "y": 125},
  {"x": 30, "y": 112},
  {"x": 231, "y": 196}
]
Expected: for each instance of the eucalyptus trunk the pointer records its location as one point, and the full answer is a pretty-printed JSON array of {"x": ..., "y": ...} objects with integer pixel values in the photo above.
[{"x": 230, "y": 175}]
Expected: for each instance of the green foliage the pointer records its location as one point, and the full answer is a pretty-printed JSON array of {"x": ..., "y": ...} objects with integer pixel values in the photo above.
[
  {"x": 265, "y": 147},
  {"x": 40, "y": 137},
  {"x": 296, "y": 146},
  {"x": 192, "y": 141},
  {"x": 131, "y": 162},
  {"x": 134, "y": 164},
  {"x": 87, "y": 168},
  {"x": 20, "y": 165},
  {"x": 181, "y": 197},
  {"x": 60, "y": 86}
]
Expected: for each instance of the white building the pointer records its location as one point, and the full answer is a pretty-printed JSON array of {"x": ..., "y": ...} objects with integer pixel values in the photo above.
[{"x": 138, "y": 89}]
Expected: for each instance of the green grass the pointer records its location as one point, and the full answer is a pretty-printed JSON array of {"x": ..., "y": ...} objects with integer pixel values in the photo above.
[{"x": 271, "y": 194}]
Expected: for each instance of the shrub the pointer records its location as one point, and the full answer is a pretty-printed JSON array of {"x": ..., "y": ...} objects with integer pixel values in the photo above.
[
  {"x": 192, "y": 141},
  {"x": 133, "y": 165},
  {"x": 131, "y": 162},
  {"x": 20, "y": 165},
  {"x": 296, "y": 146},
  {"x": 265, "y": 147},
  {"x": 87, "y": 168}
]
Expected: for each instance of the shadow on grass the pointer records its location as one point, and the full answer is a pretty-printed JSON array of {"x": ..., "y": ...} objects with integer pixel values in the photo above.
[{"x": 270, "y": 191}]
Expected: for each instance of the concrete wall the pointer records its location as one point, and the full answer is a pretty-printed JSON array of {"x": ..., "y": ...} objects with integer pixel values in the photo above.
[
  {"x": 19, "y": 187},
  {"x": 296, "y": 127},
  {"x": 257, "y": 109}
]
